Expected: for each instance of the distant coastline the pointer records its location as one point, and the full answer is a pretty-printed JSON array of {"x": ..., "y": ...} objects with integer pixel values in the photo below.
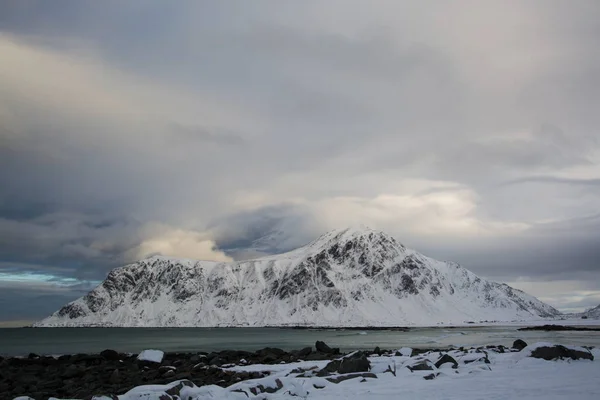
[{"x": 16, "y": 324}]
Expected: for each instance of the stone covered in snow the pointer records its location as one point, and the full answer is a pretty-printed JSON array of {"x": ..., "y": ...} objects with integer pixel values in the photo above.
[{"x": 154, "y": 356}]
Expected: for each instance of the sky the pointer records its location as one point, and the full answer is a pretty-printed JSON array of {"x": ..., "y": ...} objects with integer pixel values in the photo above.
[{"x": 222, "y": 130}]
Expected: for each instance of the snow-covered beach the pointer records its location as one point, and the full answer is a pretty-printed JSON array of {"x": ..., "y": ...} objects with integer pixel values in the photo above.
[{"x": 521, "y": 371}]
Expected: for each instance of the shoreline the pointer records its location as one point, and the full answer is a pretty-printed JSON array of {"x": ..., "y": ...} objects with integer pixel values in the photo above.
[
  {"x": 112, "y": 373},
  {"x": 461, "y": 325}
]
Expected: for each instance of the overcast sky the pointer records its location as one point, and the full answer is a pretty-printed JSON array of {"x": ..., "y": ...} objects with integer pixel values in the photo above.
[{"x": 222, "y": 130}]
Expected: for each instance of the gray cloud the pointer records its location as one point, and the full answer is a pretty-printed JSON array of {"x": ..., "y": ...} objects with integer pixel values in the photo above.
[{"x": 469, "y": 131}]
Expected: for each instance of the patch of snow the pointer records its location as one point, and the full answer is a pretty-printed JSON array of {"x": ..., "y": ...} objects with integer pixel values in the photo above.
[
  {"x": 406, "y": 351},
  {"x": 151, "y": 355}
]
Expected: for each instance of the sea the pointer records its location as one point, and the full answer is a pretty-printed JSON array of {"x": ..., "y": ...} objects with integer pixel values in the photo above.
[{"x": 57, "y": 341}]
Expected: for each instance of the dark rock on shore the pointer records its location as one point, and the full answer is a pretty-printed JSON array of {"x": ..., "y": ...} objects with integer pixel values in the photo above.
[
  {"x": 356, "y": 362},
  {"x": 341, "y": 378},
  {"x": 323, "y": 348},
  {"x": 422, "y": 365},
  {"x": 446, "y": 359},
  {"x": 560, "y": 352},
  {"x": 111, "y": 355},
  {"x": 304, "y": 352},
  {"x": 519, "y": 344}
]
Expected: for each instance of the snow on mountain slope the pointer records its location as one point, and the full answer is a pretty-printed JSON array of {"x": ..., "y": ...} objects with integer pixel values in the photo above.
[
  {"x": 593, "y": 313},
  {"x": 344, "y": 278}
]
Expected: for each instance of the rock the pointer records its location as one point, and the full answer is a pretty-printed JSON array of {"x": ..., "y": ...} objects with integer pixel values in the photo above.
[
  {"x": 317, "y": 356},
  {"x": 199, "y": 366},
  {"x": 357, "y": 362},
  {"x": 305, "y": 351},
  {"x": 431, "y": 376},
  {"x": 560, "y": 352},
  {"x": 168, "y": 374},
  {"x": 301, "y": 370},
  {"x": 196, "y": 358},
  {"x": 110, "y": 355},
  {"x": 323, "y": 348},
  {"x": 33, "y": 356},
  {"x": 519, "y": 344},
  {"x": 218, "y": 361},
  {"x": 174, "y": 391},
  {"x": 115, "y": 377},
  {"x": 266, "y": 389},
  {"x": 484, "y": 360},
  {"x": 446, "y": 359},
  {"x": 377, "y": 351},
  {"x": 422, "y": 365},
  {"x": 72, "y": 371},
  {"x": 153, "y": 356},
  {"x": 341, "y": 378},
  {"x": 271, "y": 350}
]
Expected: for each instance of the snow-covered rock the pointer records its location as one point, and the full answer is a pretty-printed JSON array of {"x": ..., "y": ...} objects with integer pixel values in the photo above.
[
  {"x": 344, "y": 278},
  {"x": 155, "y": 356},
  {"x": 405, "y": 351}
]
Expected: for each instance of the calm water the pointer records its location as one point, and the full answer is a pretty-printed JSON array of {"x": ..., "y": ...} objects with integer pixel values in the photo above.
[{"x": 22, "y": 341}]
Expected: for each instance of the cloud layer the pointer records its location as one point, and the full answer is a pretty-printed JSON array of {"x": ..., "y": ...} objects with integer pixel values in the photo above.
[{"x": 468, "y": 130}]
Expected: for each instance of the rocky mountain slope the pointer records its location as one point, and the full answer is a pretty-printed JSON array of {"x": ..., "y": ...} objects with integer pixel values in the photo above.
[
  {"x": 592, "y": 313},
  {"x": 344, "y": 278}
]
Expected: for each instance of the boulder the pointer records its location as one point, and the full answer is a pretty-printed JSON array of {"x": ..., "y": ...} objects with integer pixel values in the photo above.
[
  {"x": 72, "y": 371},
  {"x": 341, "y": 378},
  {"x": 357, "y": 362},
  {"x": 560, "y": 352},
  {"x": 115, "y": 377},
  {"x": 271, "y": 350},
  {"x": 422, "y": 365},
  {"x": 446, "y": 359},
  {"x": 519, "y": 344},
  {"x": 323, "y": 348},
  {"x": 304, "y": 352},
  {"x": 109, "y": 354},
  {"x": 168, "y": 374},
  {"x": 196, "y": 358}
]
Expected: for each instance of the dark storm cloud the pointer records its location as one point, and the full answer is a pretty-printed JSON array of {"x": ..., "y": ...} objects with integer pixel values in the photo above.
[
  {"x": 469, "y": 131},
  {"x": 267, "y": 230}
]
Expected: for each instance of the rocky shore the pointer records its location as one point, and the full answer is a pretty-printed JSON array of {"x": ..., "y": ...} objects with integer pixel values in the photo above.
[
  {"x": 112, "y": 373},
  {"x": 82, "y": 375}
]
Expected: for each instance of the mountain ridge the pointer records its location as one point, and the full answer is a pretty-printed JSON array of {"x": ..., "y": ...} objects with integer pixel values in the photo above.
[
  {"x": 593, "y": 312},
  {"x": 350, "y": 277}
]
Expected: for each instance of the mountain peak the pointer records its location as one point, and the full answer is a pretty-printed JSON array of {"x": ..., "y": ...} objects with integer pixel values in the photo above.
[
  {"x": 347, "y": 277},
  {"x": 351, "y": 233}
]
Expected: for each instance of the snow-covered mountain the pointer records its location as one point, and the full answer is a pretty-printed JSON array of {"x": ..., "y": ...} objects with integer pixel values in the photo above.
[
  {"x": 352, "y": 277},
  {"x": 593, "y": 313}
]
